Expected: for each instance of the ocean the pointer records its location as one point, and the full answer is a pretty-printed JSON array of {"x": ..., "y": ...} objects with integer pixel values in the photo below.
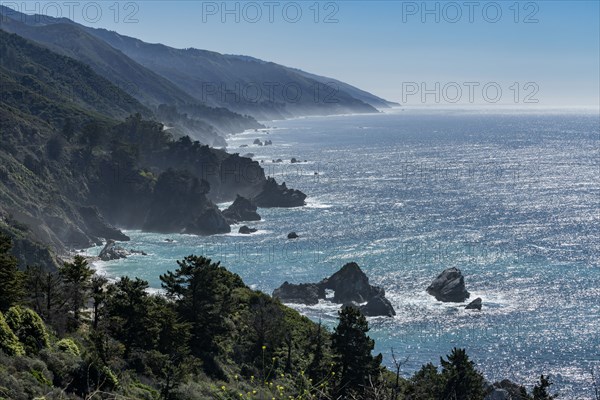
[{"x": 510, "y": 198}]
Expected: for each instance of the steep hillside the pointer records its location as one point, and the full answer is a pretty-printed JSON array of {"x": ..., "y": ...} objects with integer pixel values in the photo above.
[
  {"x": 71, "y": 167},
  {"x": 204, "y": 123},
  {"x": 362, "y": 95},
  {"x": 242, "y": 84},
  {"x": 70, "y": 40}
]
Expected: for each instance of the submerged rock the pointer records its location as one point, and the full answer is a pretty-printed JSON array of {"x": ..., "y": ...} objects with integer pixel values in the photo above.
[
  {"x": 449, "y": 286},
  {"x": 275, "y": 195},
  {"x": 112, "y": 251},
  {"x": 351, "y": 288},
  {"x": 475, "y": 304},
  {"x": 140, "y": 252},
  {"x": 242, "y": 209},
  {"x": 246, "y": 230}
]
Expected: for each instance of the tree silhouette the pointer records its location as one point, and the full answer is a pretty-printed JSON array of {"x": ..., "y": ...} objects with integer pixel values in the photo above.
[
  {"x": 352, "y": 351},
  {"x": 462, "y": 380},
  {"x": 76, "y": 277},
  {"x": 11, "y": 279},
  {"x": 202, "y": 290},
  {"x": 540, "y": 390}
]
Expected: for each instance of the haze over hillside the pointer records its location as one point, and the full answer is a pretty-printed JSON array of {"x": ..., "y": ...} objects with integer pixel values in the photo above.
[{"x": 157, "y": 74}]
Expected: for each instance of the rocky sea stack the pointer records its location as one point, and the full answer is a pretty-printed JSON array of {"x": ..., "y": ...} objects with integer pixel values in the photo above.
[
  {"x": 180, "y": 205},
  {"x": 113, "y": 251},
  {"x": 449, "y": 286},
  {"x": 275, "y": 195},
  {"x": 242, "y": 209},
  {"x": 351, "y": 287}
]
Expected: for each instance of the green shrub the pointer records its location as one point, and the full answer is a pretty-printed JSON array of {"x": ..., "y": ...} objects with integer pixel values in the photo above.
[
  {"x": 40, "y": 377},
  {"x": 9, "y": 343},
  {"x": 23, "y": 378},
  {"x": 68, "y": 346},
  {"x": 109, "y": 376},
  {"x": 29, "y": 328},
  {"x": 63, "y": 366}
]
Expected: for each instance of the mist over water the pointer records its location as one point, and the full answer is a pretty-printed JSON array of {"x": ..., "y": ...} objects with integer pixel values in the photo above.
[{"x": 513, "y": 200}]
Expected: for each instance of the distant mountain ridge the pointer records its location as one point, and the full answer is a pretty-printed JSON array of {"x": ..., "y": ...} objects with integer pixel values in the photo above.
[
  {"x": 243, "y": 84},
  {"x": 185, "y": 113},
  {"x": 70, "y": 40}
]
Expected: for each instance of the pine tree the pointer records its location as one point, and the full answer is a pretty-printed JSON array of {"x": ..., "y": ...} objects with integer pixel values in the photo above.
[
  {"x": 426, "y": 384},
  {"x": 202, "y": 291},
  {"x": 11, "y": 279},
  {"x": 45, "y": 293},
  {"x": 99, "y": 295},
  {"x": 540, "y": 390},
  {"x": 132, "y": 322},
  {"x": 76, "y": 277},
  {"x": 352, "y": 351},
  {"x": 317, "y": 369},
  {"x": 462, "y": 380}
]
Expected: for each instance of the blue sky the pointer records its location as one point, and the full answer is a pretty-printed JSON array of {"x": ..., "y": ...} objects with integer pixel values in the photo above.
[{"x": 549, "y": 48}]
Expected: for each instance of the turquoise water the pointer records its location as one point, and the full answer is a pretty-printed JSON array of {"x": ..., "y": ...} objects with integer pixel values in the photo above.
[{"x": 513, "y": 200}]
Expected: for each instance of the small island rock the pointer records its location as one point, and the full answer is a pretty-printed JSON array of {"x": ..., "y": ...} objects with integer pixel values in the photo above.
[
  {"x": 246, "y": 230},
  {"x": 449, "y": 286},
  {"x": 475, "y": 304},
  {"x": 351, "y": 284},
  {"x": 351, "y": 288},
  {"x": 112, "y": 251},
  {"x": 242, "y": 209},
  {"x": 292, "y": 235},
  {"x": 276, "y": 195}
]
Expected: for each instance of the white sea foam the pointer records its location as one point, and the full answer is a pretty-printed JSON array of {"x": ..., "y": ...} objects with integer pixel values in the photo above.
[{"x": 315, "y": 203}]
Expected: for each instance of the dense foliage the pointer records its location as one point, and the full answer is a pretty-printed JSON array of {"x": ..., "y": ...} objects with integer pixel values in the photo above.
[{"x": 73, "y": 335}]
